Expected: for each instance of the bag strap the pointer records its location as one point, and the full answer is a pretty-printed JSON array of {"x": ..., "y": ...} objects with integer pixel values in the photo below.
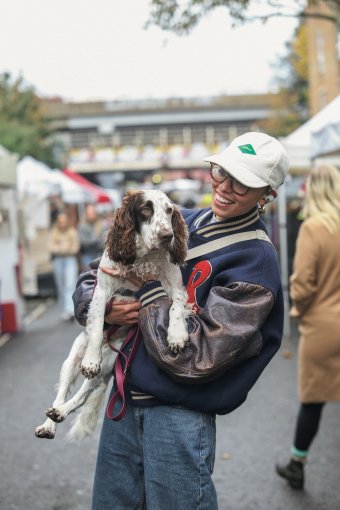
[
  {"x": 132, "y": 340},
  {"x": 222, "y": 242}
]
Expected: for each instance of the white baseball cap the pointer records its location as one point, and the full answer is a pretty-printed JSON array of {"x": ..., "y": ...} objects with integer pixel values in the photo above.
[{"x": 255, "y": 159}]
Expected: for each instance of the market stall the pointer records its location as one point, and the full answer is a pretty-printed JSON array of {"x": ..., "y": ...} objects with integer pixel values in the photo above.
[
  {"x": 325, "y": 138},
  {"x": 11, "y": 300},
  {"x": 319, "y": 137},
  {"x": 42, "y": 192}
]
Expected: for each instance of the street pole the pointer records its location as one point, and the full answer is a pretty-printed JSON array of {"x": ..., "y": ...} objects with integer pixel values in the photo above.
[{"x": 282, "y": 214}]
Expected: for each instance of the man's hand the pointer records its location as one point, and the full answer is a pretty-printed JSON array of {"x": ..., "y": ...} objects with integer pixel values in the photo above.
[{"x": 124, "y": 313}]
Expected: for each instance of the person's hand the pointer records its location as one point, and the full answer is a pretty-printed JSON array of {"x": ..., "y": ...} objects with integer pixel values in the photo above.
[
  {"x": 293, "y": 312},
  {"x": 130, "y": 276},
  {"x": 123, "y": 313}
]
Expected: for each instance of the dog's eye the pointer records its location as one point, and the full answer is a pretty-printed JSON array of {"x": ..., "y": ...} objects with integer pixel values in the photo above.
[
  {"x": 146, "y": 210},
  {"x": 169, "y": 210}
]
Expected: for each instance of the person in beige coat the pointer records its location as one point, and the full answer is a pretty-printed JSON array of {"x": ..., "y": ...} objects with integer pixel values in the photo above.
[
  {"x": 64, "y": 247},
  {"x": 315, "y": 294}
]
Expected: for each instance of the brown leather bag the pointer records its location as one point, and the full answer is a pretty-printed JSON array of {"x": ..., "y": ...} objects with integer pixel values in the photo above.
[{"x": 225, "y": 342}]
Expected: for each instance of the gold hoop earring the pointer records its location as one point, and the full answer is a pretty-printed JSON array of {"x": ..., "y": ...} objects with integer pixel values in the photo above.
[{"x": 262, "y": 210}]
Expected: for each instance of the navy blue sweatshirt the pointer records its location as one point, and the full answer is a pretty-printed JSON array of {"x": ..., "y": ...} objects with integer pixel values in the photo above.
[{"x": 240, "y": 284}]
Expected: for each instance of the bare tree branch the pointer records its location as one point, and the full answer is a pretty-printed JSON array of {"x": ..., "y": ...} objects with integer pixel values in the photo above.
[
  {"x": 302, "y": 15},
  {"x": 181, "y": 18}
]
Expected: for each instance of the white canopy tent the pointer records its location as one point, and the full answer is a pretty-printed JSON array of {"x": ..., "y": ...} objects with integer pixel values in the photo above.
[
  {"x": 319, "y": 137},
  {"x": 325, "y": 138},
  {"x": 36, "y": 184},
  {"x": 35, "y": 179}
]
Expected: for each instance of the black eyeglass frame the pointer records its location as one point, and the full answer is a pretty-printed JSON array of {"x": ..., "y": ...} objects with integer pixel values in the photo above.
[{"x": 231, "y": 178}]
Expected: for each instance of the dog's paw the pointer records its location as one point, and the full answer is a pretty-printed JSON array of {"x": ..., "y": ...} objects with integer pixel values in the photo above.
[
  {"x": 178, "y": 338},
  {"x": 90, "y": 370},
  {"x": 55, "y": 415},
  {"x": 177, "y": 344},
  {"x": 44, "y": 432}
]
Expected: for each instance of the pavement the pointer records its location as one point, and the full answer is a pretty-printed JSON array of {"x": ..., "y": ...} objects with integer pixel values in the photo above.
[{"x": 37, "y": 474}]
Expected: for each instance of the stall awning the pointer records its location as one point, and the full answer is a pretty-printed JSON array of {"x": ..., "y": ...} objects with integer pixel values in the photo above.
[{"x": 100, "y": 195}]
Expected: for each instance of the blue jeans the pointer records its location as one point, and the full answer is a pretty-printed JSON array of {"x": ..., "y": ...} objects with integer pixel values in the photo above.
[
  {"x": 65, "y": 271},
  {"x": 156, "y": 458}
]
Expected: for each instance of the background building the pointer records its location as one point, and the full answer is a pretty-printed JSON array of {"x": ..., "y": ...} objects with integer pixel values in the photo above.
[
  {"x": 112, "y": 141},
  {"x": 323, "y": 55}
]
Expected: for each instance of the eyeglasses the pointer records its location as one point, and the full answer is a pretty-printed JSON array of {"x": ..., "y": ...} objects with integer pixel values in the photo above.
[{"x": 219, "y": 175}]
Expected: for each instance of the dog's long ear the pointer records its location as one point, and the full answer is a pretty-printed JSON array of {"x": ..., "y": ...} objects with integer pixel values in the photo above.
[
  {"x": 121, "y": 238},
  {"x": 179, "y": 247}
]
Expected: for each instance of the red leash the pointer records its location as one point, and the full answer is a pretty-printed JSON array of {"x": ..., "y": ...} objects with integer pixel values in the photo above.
[{"x": 132, "y": 340}]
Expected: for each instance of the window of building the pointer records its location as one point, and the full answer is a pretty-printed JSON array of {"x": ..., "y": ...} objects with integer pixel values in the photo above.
[{"x": 81, "y": 138}]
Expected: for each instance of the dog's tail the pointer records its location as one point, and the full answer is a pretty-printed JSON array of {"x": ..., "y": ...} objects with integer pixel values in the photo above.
[{"x": 86, "y": 421}]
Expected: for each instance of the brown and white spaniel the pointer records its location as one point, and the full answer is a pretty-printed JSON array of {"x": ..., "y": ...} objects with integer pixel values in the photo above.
[{"x": 148, "y": 236}]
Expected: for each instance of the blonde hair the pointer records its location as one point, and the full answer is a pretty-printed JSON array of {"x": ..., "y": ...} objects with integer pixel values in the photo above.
[{"x": 323, "y": 196}]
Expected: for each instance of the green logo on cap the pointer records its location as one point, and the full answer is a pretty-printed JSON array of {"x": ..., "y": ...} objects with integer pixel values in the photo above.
[{"x": 247, "y": 149}]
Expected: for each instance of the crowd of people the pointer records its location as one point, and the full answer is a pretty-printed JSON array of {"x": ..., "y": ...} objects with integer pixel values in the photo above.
[{"x": 71, "y": 250}]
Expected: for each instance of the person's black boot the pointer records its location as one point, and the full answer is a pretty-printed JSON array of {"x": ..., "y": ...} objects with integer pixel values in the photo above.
[{"x": 292, "y": 472}]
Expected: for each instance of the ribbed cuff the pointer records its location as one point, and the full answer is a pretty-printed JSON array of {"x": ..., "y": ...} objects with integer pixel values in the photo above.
[
  {"x": 150, "y": 292},
  {"x": 298, "y": 454}
]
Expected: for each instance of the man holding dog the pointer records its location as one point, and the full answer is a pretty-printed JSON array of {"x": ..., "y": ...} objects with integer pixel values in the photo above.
[{"x": 161, "y": 454}]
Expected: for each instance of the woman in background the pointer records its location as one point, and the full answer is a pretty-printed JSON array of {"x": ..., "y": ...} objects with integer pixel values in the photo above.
[
  {"x": 92, "y": 233},
  {"x": 315, "y": 293},
  {"x": 64, "y": 247}
]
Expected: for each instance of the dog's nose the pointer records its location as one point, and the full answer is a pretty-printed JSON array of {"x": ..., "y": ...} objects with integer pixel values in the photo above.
[{"x": 165, "y": 237}]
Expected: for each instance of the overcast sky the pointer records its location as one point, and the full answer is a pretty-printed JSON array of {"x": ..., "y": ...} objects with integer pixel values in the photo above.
[{"x": 98, "y": 49}]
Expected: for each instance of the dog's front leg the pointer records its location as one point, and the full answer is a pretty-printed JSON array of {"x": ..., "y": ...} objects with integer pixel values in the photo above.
[
  {"x": 177, "y": 331},
  {"x": 90, "y": 366}
]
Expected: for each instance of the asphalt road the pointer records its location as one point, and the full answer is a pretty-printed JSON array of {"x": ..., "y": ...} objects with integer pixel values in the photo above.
[{"x": 38, "y": 474}]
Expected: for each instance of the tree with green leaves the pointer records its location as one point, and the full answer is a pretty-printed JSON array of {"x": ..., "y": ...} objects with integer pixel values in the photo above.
[
  {"x": 23, "y": 129},
  {"x": 182, "y": 16}
]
